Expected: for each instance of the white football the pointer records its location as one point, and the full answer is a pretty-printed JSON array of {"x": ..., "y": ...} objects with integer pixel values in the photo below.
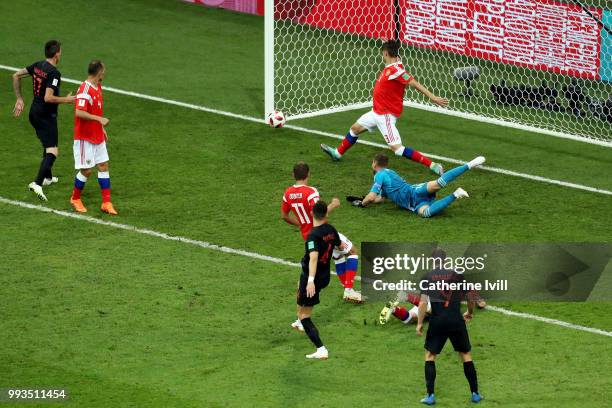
[{"x": 276, "y": 119}]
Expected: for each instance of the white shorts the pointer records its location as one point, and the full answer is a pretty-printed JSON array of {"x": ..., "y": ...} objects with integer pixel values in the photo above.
[
  {"x": 87, "y": 155},
  {"x": 384, "y": 123},
  {"x": 415, "y": 309},
  {"x": 340, "y": 253}
]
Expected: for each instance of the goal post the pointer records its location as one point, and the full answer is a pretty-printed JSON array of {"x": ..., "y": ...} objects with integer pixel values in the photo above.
[
  {"x": 269, "y": 55},
  {"x": 540, "y": 65}
]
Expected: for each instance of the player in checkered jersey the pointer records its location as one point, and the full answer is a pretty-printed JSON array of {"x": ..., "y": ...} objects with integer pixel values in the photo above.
[
  {"x": 46, "y": 82},
  {"x": 299, "y": 200},
  {"x": 388, "y": 104}
]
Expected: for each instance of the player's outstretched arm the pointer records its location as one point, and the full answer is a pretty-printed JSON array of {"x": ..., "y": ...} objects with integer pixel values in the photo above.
[
  {"x": 335, "y": 203},
  {"x": 50, "y": 98},
  {"x": 435, "y": 99},
  {"x": 372, "y": 198},
  {"x": 19, "y": 104},
  {"x": 379, "y": 199}
]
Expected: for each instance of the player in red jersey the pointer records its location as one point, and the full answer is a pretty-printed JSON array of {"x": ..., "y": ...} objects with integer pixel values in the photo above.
[
  {"x": 299, "y": 200},
  {"x": 90, "y": 138},
  {"x": 388, "y": 104}
]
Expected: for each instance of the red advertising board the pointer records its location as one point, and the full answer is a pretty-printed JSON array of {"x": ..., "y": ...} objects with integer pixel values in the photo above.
[
  {"x": 243, "y": 6},
  {"x": 532, "y": 33},
  {"x": 537, "y": 34}
]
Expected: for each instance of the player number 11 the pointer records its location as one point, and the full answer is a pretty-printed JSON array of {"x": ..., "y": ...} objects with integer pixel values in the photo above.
[{"x": 301, "y": 213}]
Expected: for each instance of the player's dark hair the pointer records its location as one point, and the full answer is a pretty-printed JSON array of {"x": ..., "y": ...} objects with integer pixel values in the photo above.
[
  {"x": 300, "y": 170},
  {"x": 381, "y": 160},
  {"x": 52, "y": 47},
  {"x": 438, "y": 253},
  {"x": 392, "y": 47},
  {"x": 95, "y": 66},
  {"x": 319, "y": 211}
]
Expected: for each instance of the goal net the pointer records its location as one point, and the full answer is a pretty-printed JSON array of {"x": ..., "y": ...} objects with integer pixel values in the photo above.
[{"x": 538, "y": 65}]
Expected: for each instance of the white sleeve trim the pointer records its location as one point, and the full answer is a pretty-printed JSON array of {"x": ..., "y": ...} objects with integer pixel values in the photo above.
[
  {"x": 397, "y": 74},
  {"x": 85, "y": 96},
  {"x": 313, "y": 196}
]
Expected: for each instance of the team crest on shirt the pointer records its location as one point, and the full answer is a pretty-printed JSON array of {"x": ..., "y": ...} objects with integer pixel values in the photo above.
[{"x": 388, "y": 72}]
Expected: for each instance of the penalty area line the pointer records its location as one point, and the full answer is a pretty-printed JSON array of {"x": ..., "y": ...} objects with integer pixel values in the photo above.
[
  {"x": 506, "y": 172},
  {"x": 254, "y": 255}
]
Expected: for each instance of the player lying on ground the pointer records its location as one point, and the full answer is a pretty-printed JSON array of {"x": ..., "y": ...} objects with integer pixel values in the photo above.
[
  {"x": 89, "y": 146},
  {"x": 315, "y": 274},
  {"x": 346, "y": 259},
  {"x": 388, "y": 104},
  {"x": 404, "y": 315},
  {"x": 407, "y": 316},
  {"x": 299, "y": 199},
  {"x": 418, "y": 198},
  {"x": 46, "y": 81}
]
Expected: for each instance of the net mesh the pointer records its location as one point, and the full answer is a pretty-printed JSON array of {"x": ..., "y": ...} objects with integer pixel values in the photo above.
[{"x": 537, "y": 63}]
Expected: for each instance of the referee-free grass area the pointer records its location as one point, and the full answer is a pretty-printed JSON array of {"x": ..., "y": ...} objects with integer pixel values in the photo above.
[{"x": 128, "y": 320}]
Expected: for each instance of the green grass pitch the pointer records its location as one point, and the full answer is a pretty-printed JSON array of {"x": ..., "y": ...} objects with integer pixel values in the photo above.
[{"x": 127, "y": 320}]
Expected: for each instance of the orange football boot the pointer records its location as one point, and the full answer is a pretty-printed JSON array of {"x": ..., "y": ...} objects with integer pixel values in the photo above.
[
  {"x": 78, "y": 205},
  {"x": 108, "y": 208}
]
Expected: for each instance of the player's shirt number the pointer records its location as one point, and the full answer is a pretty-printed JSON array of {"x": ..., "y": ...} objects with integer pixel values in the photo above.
[{"x": 301, "y": 213}]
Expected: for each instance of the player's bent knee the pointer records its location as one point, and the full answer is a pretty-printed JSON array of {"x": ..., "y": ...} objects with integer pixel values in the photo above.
[
  {"x": 357, "y": 128},
  {"x": 429, "y": 356},
  {"x": 465, "y": 357},
  {"x": 433, "y": 186},
  {"x": 304, "y": 312},
  {"x": 397, "y": 149},
  {"x": 103, "y": 166}
]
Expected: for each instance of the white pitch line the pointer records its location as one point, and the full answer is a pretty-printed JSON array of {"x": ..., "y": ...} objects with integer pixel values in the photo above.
[
  {"x": 456, "y": 161},
  {"x": 335, "y": 136},
  {"x": 254, "y": 255},
  {"x": 144, "y": 231},
  {"x": 548, "y": 320}
]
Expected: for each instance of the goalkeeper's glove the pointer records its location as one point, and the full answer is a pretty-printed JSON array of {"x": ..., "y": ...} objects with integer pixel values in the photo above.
[{"x": 355, "y": 201}]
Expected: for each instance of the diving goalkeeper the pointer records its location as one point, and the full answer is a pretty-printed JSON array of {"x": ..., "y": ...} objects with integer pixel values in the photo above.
[
  {"x": 387, "y": 107},
  {"x": 418, "y": 198}
]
